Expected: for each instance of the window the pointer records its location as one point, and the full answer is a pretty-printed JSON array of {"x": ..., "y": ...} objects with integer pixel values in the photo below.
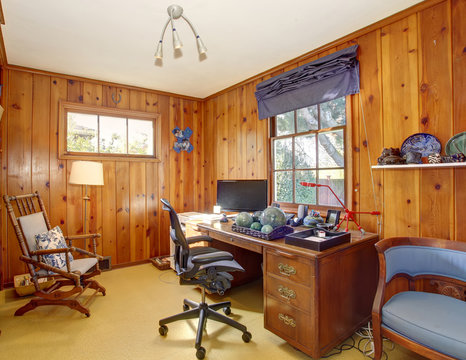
[
  {"x": 93, "y": 131},
  {"x": 309, "y": 145}
]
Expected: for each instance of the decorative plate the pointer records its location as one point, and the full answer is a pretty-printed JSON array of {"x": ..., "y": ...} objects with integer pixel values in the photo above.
[
  {"x": 457, "y": 144},
  {"x": 422, "y": 143}
]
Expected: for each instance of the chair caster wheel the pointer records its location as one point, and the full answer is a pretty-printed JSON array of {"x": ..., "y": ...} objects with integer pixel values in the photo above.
[
  {"x": 227, "y": 310},
  {"x": 185, "y": 307},
  {"x": 163, "y": 329},
  {"x": 200, "y": 353},
  {"x": 247, "y": 336}
]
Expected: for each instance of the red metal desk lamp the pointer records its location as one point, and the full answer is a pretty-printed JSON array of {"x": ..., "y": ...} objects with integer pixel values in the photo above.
[{"x": 349, "y": 214}]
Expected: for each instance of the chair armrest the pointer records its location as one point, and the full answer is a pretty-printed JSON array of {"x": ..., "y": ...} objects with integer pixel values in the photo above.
[
  {"x": 52, "y": 251},
  {"x": 211, "y": 257},
  {"x": 92, "y": 237},
  {"x": 199, "y": 238},
  {"x": 88, "y": 253},
  {"x": 83, "y": 236}
]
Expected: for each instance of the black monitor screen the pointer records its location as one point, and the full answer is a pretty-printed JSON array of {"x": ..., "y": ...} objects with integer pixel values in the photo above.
[{"x": 242, "y": 195}]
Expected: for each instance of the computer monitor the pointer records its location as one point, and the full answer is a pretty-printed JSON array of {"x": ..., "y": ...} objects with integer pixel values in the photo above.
[{"x": 242, "y": 195}]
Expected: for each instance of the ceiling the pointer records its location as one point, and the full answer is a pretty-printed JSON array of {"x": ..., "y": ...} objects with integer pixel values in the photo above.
[{"x": 115, "y": 40}]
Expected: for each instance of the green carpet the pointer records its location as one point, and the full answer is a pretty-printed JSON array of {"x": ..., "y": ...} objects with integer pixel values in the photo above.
[{"x": 124, "y": 325}]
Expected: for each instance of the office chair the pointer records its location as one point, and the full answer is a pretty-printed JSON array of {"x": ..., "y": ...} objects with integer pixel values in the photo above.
[{"x": 205, "y": 267}]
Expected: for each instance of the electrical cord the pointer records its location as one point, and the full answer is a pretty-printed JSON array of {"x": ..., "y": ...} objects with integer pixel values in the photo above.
[{"x": 366, "y": 340}]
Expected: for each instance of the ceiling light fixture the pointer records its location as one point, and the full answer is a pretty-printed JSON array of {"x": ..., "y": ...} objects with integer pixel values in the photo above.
[{"x": 175, "y": 12}]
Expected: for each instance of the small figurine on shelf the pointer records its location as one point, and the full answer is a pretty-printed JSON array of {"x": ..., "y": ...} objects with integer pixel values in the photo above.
[
  {"x": 390, "y": 156},
  {"x": 413, "y": 157},
  {"x": 434, "y": 158}
]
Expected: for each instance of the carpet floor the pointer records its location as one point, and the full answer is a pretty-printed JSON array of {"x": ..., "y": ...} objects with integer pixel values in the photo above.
[{"x": 124, "y": 325}]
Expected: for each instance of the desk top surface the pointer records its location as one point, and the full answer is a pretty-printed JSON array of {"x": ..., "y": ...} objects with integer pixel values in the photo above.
[{"x": 224, "y": 229}]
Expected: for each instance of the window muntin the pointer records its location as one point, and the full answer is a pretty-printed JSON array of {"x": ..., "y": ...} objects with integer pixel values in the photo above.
[
  {"x": 88, "y": 131},
  {"x": 309, "y": 145}
]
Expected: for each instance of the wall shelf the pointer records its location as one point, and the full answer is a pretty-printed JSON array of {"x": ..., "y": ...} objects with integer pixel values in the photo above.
[{"x": 420, "y": 166}]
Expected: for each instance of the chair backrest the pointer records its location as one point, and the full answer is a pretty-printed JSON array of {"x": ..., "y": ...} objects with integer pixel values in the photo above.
[
  {"x": 28, "y": 217},
  {"x": 177, "y": 235},
  {"x": 423, "y": 256}
]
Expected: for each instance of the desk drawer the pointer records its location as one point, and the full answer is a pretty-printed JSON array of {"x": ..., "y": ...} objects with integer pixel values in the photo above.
[
  {"x": 289, "y": 266},
  {"x": 288, "y": 322},
  {"x": 289, "y": 293},
  {"x": 236, "y": 242}
]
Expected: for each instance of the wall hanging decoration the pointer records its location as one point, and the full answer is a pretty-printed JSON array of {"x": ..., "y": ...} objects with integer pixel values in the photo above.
[{"x": 182, "y": 140}]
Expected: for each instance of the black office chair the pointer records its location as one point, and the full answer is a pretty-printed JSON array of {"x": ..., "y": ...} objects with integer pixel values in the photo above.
[{"x": 208, "y": 268}]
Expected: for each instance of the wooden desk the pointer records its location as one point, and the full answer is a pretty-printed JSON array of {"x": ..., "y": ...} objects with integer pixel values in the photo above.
[{"x": 313, "y": 300}]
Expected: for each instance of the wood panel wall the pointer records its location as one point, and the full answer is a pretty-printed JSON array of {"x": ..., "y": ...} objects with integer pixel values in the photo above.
[
  {"x": 126, "y": 210},
  {"x": 412, "y": 69}
]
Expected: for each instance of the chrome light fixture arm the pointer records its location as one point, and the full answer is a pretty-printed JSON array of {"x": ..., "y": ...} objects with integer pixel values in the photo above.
[
  {"x": 200, "y": 45},
  {"x": 159, "y": 52}
]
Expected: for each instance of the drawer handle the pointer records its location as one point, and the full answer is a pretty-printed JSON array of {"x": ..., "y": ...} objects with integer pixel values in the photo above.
[
  {"x": 286, "y": 269},
  {"x": 289, "y": 321},
  {"x": 286, "y": 293}
]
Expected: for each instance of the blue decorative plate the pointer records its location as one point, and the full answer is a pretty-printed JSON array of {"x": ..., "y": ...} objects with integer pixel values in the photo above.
[{"x": 423, "y": 143}]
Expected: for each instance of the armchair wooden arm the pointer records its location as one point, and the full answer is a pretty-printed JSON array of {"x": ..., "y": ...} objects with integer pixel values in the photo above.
[
  {"x": 70, "y": 239},
  {"x": 52, "y": 251}
]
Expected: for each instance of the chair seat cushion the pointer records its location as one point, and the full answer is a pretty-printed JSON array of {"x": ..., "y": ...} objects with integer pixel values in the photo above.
[
  {"x": 82, "y": 265},
  {"x": 433, "y": 320},
  {"x": 53, "y": 239},
  {"x": 77, "y": 265}
]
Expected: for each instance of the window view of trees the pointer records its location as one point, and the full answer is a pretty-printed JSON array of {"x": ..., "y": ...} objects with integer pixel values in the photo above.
[
  {"x": 309, "y": 146},
  {"x": 109, "y": 134}
]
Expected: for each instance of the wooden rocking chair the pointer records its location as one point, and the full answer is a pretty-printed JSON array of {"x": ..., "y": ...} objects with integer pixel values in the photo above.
[{"x": 29, "y": 218}]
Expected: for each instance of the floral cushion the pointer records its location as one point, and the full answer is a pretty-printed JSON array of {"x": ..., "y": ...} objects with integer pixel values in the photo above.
[{"x": 53, "y": 239}]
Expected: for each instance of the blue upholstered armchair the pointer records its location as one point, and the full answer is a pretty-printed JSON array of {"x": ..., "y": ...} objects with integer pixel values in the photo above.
[{"x": 420, "y": 300}]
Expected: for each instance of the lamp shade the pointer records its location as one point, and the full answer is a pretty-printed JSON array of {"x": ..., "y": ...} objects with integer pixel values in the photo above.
[{"x": 87, "y": 173}]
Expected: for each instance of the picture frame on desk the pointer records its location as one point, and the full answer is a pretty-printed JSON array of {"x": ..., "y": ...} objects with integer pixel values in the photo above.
[{"x": 333, "y": 217}]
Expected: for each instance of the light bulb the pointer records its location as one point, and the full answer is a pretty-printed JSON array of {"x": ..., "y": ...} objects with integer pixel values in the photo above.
[{"x": 200, "y": 46}]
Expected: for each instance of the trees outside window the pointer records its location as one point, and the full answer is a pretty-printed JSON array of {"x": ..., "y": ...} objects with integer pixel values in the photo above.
[
  {"x": 309, "y": 145},
  {"x": 90, "y": 131}
]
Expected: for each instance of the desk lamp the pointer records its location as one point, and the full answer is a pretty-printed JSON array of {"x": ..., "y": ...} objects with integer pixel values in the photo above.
[{"x": 349, "y": 214}]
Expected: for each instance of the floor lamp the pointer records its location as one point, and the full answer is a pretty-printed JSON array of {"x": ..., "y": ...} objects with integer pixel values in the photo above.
[{"x": 86, "y": 173}]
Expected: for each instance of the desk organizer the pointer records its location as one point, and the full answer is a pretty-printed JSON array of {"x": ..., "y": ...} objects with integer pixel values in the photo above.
[
  {"x": 276, "y": 233},
  {"x": 309, "y": 239}
]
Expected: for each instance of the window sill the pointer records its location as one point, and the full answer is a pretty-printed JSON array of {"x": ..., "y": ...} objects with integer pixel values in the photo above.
[
  {"x": 108, "y": 157},
  {"x": 293, "y": 208}
]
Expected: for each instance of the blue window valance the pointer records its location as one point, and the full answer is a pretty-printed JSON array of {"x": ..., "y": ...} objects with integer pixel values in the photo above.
[{"x": 322, "y": 80}]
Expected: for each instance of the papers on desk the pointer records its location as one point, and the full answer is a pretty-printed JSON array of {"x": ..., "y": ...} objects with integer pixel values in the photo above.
[
  {"x": 315, "y": 238},
  {"x": 196, "y": 216}
]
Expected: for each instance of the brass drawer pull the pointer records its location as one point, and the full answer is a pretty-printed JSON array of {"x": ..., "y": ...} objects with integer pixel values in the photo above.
[
  {"x": 289, "y": 321},
  {"x": 286, "y": 269},
  {"x": 286, "y": 293}
]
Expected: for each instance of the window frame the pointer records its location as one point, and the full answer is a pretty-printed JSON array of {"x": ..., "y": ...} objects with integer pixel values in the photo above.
[
  {"x": 66, "y": 107},
  {"x": 348, "y": 159}
]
